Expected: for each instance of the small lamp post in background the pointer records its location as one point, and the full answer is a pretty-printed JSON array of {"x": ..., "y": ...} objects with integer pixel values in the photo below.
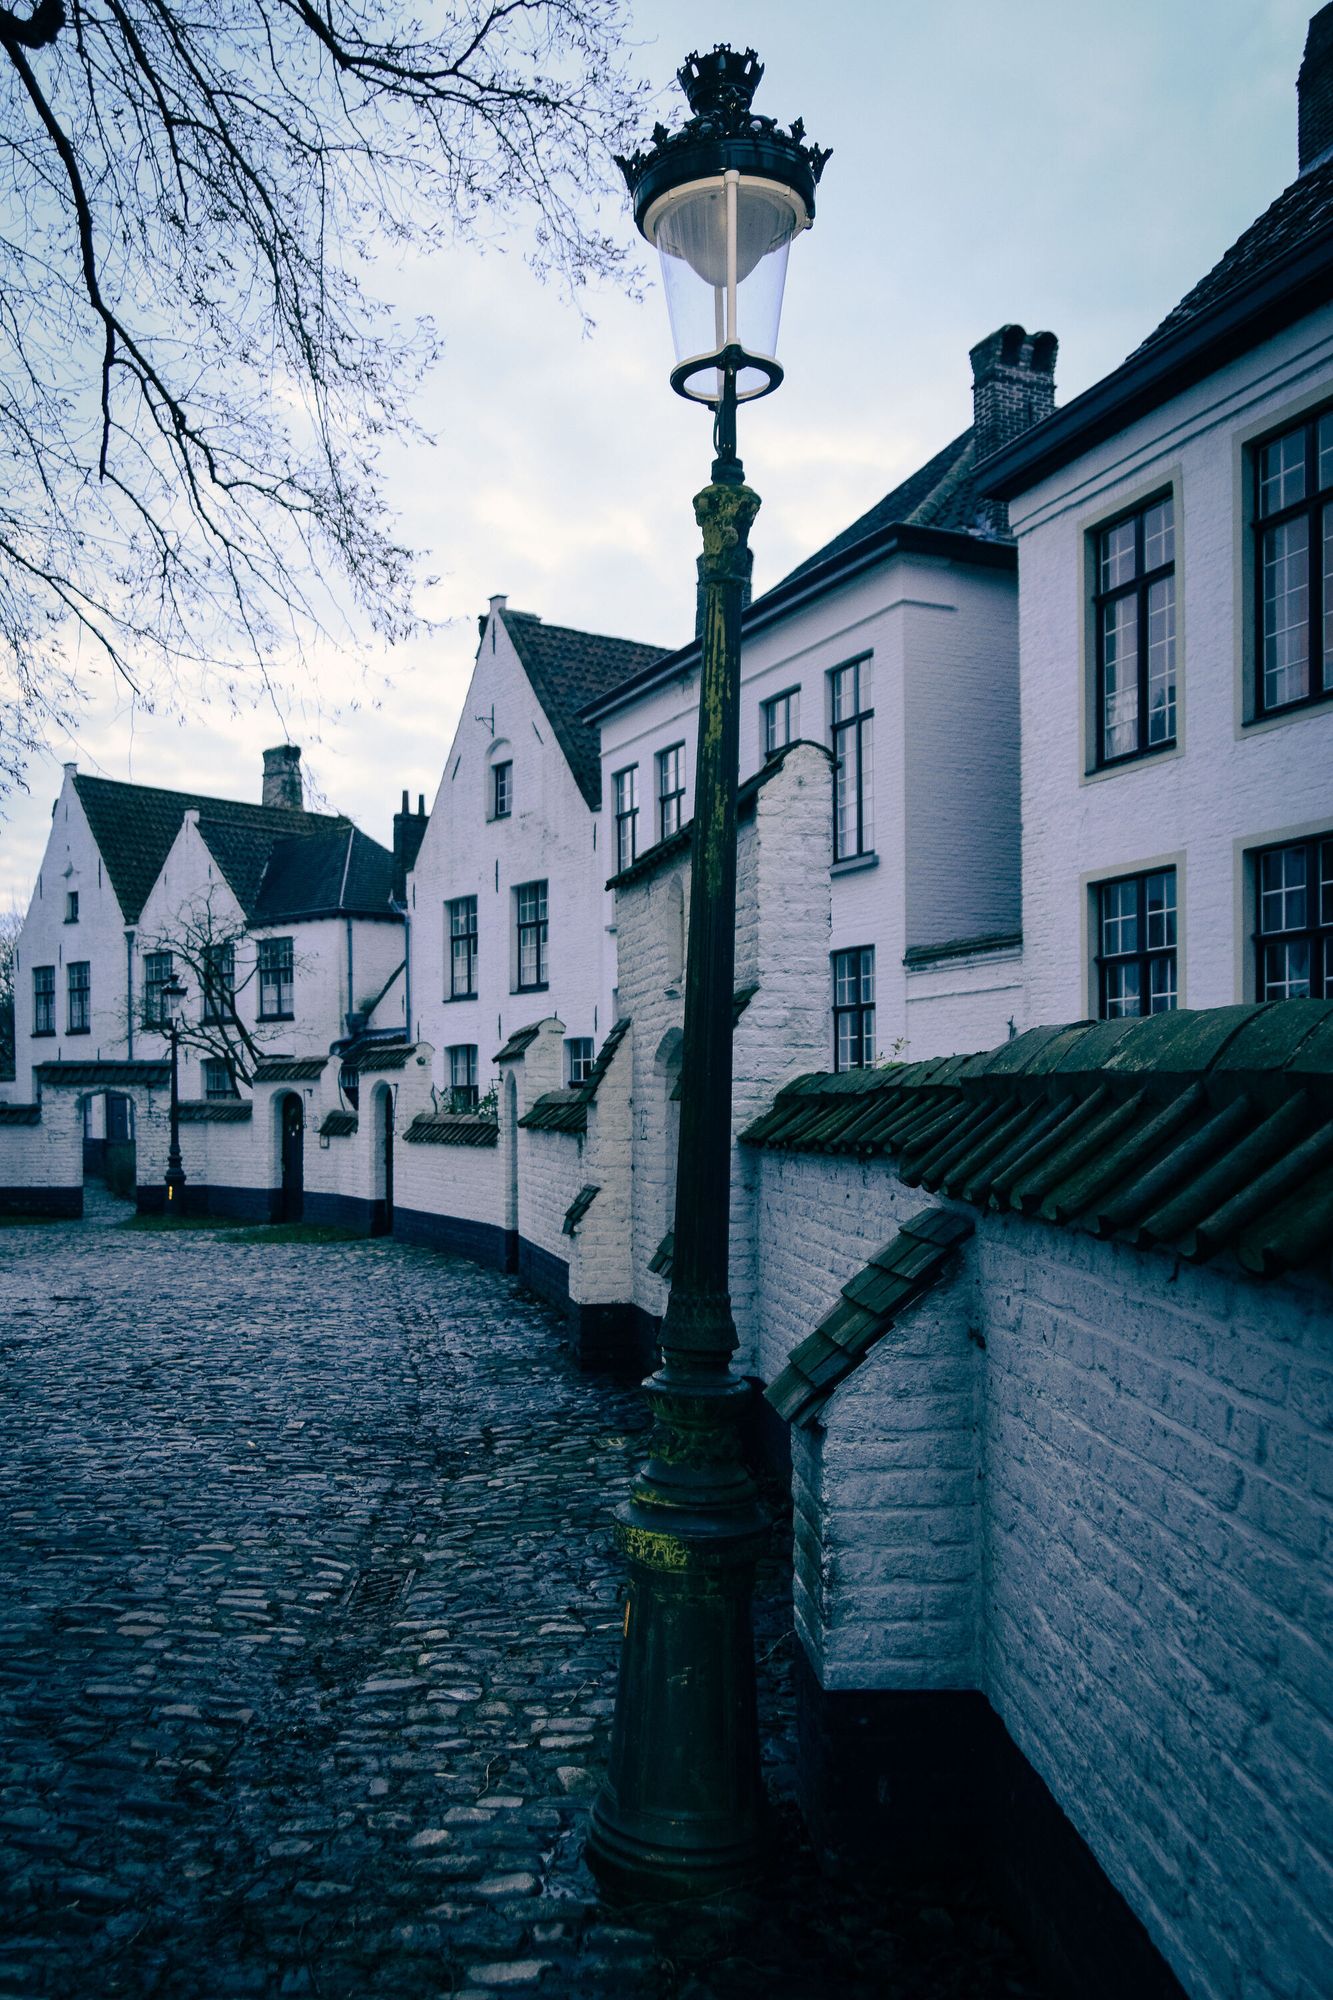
[
  {"x": 171, "y": 993},
  {"x": 681, "y": 1812}
]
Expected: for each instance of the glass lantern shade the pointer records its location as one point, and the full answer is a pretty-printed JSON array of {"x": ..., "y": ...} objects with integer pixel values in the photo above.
[{"x": 723, "y": 245}]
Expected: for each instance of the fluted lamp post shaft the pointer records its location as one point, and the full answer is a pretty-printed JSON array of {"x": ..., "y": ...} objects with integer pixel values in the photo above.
[{"x": 682, "y": 1810}]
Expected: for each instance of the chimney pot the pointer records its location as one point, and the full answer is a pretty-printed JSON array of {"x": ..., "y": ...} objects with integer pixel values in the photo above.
[
  {"x": 1013, "y": 387},
  {"x": 1314, "y": 93},
  {"x": 404, "y": 801},
  {"x": 421, "y": 805},
  {"x": 282, "y": 777},
  {"x": 498, "y": 603}
]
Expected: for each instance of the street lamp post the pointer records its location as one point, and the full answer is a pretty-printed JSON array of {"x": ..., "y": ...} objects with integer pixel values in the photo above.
[
  {"x": 171, "y": 993},
  {"x": 682, "y": 1809}
]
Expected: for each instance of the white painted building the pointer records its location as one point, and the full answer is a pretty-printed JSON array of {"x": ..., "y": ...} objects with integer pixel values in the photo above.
[
  {"x": 505, "y": 904},
  {"x": 1175, "y": 533},
  {"x": 130, "y": 873},
  {"x": 895, "y": 645}
]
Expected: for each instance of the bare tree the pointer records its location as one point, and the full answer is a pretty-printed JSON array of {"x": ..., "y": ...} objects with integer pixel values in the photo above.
[
  {"x": 11, "y": 924},
  {"x": 195, "y": 382},
  {"x": 216, "y": 954}
]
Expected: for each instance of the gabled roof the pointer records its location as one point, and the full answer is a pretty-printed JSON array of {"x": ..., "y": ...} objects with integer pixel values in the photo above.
[
  {"x": 940, "y": 494},
  {"x": 567, "y": 1110},
  {"x": 134, "y": 827},
  {"x": 278, "y": 876},
  {"x": 569, "y": 669},
  {"x": 1278, "y": 270}
]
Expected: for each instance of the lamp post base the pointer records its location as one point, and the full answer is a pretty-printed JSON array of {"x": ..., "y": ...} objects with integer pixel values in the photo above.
[
  {"x": 683, "y": 1811},
  {"x": 174, "y": 1182}
]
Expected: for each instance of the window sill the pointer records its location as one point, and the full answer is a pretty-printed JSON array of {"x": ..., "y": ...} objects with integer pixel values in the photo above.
[
  {"x": 451, "y": 998},
  {"x": 71, "y": 1032},
  {"x": 1291, "y": 711},
  {"x": 70, "y": 920},
  {"x": 545, "y": 987},
  {"x": 1095, "y": 774},
  {"x": 43, "y": 1034},
  {"x": 264, "y": 1019},
  {"x": 852, "y": 864}
]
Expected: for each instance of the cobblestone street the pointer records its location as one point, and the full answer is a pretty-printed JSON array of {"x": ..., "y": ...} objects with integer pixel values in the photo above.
[{"x": 310, "y": 1633}]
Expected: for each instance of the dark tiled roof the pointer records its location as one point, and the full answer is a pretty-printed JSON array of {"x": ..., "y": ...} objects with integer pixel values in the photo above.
[
  {"x": 663, "y": 1259},
  {"x": 567, "y": 1110},
  {"x": 941, "y": 494},
  {"x": 20, "y": 1114},
  {"x": 380, "y": 1056},
  {"x": 335, "y": 872},
  {"x": 135, "y": 825},
  {"x": 579, "y": 1207},
  {"x": 1299, "y": 213},
  {"x": 896, "y": 1276},
  {"x": 521, "y": 1039},
  {"x": 451, "y": 1128},
  {"x": 1191, "y": 1133},
  {"x": 290, "y": 1069},
  {"x": 108, "y": 1075},
  {"x": 215, "y": 1111},
  {"x": 931, "y": 954},
  {"x": 338, "y": 1125},
  {"x": 567, "y": 670}
]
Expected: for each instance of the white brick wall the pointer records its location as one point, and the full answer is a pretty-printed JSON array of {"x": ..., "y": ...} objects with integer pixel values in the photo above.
[{"x": 1145, "y": 1452}]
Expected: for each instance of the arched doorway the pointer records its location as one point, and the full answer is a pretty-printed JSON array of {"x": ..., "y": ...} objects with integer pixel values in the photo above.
[
  {"x": 291, "y": 1200},
  {"x": 381, "y": 1223}
]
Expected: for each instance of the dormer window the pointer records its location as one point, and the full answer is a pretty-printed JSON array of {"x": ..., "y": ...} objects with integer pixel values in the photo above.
[{"x": 502, "y": 790}]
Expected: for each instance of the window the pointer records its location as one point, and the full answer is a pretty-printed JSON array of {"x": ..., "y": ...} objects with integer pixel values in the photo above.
[
  {"x": 530, "y": 904},
  {"x": 275, "y": 979},
  {"x": 1294, "y": 932},
  {"x": 463, "y": 1076},
  {"x": 218, "y": 1079},
  {"x": 853, "y": 777},
  {"x": 43, "y": 999},
  {"x": 1136, "y": 935},
  {"x": 670, "y": 789},
  {"x": 627, "y": 816},
  {"x": 218, "y": 963},
  {"x": 854, "y": 1007},
  {"x": 78, "y": 997},
  {"x": 1135, "y": 603},
  {"x": 71, "y": 906},
  {"x": 578, "y": 1058},
  {"x": 502, "y": 790},
  {"x": 779, "y": 721},
  {"x": 157, "y": 967},
  {"x": 462, "y": 913},
  {"x": 1294, "y": 566}
]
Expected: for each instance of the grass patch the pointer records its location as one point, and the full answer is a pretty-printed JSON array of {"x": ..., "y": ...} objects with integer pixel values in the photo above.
[
  {"x": 292, "y": 1232},
  {"x": 175, "y": 1222}
]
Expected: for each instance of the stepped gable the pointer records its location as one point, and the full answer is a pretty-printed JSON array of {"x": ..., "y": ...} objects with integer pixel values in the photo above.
[
  {"x": 1191, "y": 1133},
  {"x": 569, "y": 669}
]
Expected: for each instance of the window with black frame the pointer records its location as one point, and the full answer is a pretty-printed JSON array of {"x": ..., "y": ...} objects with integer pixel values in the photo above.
[
  {"x": 578, "y": 1059},
  {"x": 626, "y": 788},
  {"x": 502, "y": 790},
  {"x": 1293, "y": 512},
  {"x": 1136, "y": 945},
  {"x": 275, "y": 979},
  {"x": 851, "y": 717},
  {"x": 463, "y": 1076},
  {"x": 779, "y": 721},
  {"x": 78, "y": 997},
  {"x": 854, "y": 1007},
  {"x": 1294, "y": 920},
  {"x": 532, "y": 936},
  {"x": 670, "y": 790},
  {"x": 157, "y": 968},
  {"x": 1136, "y": 632},
  {"x": 219, "y": 970},
  {"x": 462, "y": 912},
  {"x": 219, "y": 1081},
  {"x": 43, "y": 1000}
]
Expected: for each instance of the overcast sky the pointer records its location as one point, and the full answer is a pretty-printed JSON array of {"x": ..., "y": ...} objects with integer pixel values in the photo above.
[{"x": 1057, "y": 162}]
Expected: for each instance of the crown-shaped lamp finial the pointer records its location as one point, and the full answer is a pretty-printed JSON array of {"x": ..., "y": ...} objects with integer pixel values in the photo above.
[{"x": 724, "y": 81}]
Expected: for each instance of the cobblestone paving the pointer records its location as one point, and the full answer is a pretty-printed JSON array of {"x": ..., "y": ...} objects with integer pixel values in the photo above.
[{"x": 309, "y": 1631}]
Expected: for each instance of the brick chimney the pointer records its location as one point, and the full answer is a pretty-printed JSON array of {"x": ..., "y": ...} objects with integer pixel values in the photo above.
[
  {"x": 409, "y": 830},
  {"x": 1013, "y": 387},
  {"x": 1314, "y": 93},
  {"x": 282, "y": 778}
]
